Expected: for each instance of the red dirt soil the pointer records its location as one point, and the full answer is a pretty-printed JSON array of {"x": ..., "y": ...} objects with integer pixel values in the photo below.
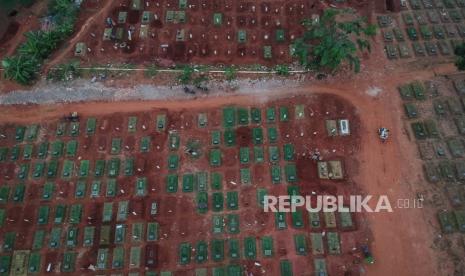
[
  {"x": 204, "y": 43},
  {"x": 178, "y": 218},
  {"x": 400, "y": 240},
  {"x": 27, "y": 19}
]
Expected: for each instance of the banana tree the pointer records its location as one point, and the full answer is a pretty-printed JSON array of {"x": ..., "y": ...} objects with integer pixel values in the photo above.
[
  {"x": 24, "y": 66},
  {"x": 38, "y": 44},
  {"x": 22, "y": 69}
]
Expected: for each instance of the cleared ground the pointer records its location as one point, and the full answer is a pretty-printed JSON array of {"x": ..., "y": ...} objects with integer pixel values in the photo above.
[
  {"x": 181, "y": 218},
  {"x": 404, "y": 242},
  {"x": 406, "y": 232}
]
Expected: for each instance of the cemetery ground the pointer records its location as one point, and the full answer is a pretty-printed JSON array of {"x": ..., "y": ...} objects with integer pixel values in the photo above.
[
  {"x": 405, "y": 232},
  {"x": 58, "y": 194}
]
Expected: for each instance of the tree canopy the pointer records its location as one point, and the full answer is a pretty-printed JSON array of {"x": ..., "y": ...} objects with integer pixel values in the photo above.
[
  {"x": 25, "y": 64},
  {"x": 20, "y": 68},
  {"x": 331, "y": 41}
]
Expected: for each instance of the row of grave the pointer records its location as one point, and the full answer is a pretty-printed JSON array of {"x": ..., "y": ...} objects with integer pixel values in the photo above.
[
  {"x": 72, "y": 214},
  {"x": 433, "y": 23},
  {"x": 428, "y": 136},
  {"x": 249, "y": 245},
  {"x": 428, "y": 48},
  {"x": 265, "y": 7},
  {"x": 70, "y": 148},
  {"x": 23, "y": 262},
  {"x": 231, "y": 118},
  {"x": 113, "y": 167},
  {"x": 447, "y": 17},
  {"x": 435, "y": 147},
  {"x": 70, "y": 236}
]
